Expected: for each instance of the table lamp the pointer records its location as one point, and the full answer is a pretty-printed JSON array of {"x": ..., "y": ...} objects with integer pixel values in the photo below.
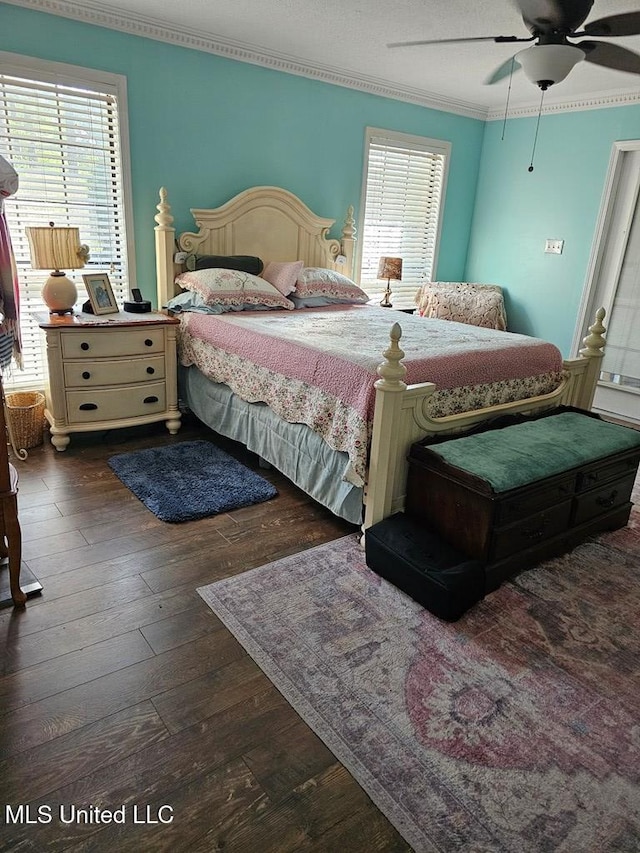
[
  {"x": 391, "y": 269},
  {"x": 55, "y": 249}
]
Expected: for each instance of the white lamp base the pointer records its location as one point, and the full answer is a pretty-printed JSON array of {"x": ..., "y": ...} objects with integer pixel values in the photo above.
[{"x": 59, "y": 293}]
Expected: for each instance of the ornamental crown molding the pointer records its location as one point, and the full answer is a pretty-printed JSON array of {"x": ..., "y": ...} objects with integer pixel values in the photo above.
[
  {"x": 128, "y": 22},
  {"x": 102, "y": 15},
  {"x": 593, "y": 102}
]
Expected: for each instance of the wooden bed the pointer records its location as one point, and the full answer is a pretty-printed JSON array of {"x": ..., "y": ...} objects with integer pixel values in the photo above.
[{"x": 274, "y": 224}]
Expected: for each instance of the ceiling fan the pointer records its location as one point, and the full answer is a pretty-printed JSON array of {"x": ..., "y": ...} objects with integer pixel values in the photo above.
[{"x": 551, "y": 24}]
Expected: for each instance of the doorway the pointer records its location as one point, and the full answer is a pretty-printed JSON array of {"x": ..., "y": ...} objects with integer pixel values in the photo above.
[{"x": 614, "y": 283}]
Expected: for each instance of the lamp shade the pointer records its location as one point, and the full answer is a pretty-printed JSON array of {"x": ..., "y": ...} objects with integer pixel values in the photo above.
[
  {"x": 390, "y": 268},
  {"x": 56, "y": 248},
  {"x": 546, "y": 64}
]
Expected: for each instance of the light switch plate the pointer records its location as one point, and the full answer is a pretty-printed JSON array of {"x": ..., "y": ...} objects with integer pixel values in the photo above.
[{"x": 554, "y": 247}]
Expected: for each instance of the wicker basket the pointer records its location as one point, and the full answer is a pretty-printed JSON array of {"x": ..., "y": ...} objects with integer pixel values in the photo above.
[{"x": 26, "y": 415}]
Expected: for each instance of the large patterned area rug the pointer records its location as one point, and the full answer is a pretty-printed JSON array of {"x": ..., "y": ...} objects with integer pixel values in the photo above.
[
  {"x": 189, "y": 480},
  {"x": 513, "y": 729}
]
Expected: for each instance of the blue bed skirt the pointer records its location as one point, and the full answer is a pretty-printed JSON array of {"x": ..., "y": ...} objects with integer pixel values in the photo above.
[{"x": 297, "y": 452}]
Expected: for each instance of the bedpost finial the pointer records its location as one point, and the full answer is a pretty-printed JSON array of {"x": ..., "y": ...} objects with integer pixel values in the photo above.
[
  {"x": 349, "y": 227},
  {"x": 392, "y": 371},
  {"x": 595, "y": 341},
  {"x": 163, "y": 217}
]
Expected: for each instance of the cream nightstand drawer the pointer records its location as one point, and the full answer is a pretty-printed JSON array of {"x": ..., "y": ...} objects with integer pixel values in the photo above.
[
  {"x": 96, "y": 344},
  {"x": 115, "y": 403},
  {"x": 125, "y": 372}
]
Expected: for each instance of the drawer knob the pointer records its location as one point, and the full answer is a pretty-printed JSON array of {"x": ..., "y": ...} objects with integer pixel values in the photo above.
[
  {"x": 608, "y": 501},
  {"x": 150, "y": 370},
  {"x": 150, "y": 400},
  {"x": 88, "y": 407},
  {"x": 86, "y": 374},
  {"x": 534, "y": 533},
  {"x": 148, "y": 342},
  {"x": 84, "y": 345}
]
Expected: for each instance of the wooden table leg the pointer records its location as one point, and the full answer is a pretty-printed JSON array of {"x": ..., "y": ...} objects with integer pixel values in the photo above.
[{"x": 13, "y": 548}]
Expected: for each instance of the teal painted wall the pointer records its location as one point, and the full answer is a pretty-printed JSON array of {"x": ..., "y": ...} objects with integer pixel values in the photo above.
[
  {"x": 207, "y": 127},
  {"x": 516, "y": 211}
]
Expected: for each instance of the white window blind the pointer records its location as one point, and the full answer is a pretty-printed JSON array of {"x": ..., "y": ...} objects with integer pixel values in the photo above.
[
  {"x": 64, "y": 141},
  {"x": 403, "y": 194}
]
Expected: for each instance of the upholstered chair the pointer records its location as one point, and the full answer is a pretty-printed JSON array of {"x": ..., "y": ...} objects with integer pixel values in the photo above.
[
  {"x": 10, "y": 532},
  {"x": 463, "y": 302}
]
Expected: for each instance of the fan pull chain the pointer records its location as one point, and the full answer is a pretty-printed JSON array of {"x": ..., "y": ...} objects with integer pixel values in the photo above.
[
  {"x": 506, "y": 108},
  {"x": 535, "y": 138}
]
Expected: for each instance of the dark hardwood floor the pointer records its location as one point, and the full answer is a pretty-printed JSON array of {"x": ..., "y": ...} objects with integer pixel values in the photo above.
[{"x": 121, "y": 690}]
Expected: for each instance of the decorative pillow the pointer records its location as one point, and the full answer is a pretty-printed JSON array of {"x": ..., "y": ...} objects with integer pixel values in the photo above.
[
  {"x": 314, "y": 282},
  {"x": 283, "y": 275},
  {"x": 310, "y": 301},
  {"x": 191, "y": 301},
  {"x": 463, "y": 302},
  {"x": 244, "y": 263},
  {"x": 233, "y": 290}
]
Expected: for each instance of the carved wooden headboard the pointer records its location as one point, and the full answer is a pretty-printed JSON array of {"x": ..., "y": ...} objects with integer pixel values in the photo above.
[{"x": 269, "y": 222}]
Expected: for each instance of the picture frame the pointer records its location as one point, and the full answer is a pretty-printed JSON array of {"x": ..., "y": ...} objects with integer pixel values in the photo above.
[{"x": 100, "y": 293}]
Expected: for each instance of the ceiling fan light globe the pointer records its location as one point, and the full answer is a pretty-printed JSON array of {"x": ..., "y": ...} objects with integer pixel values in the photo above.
[{"x": 546, "y": 64}]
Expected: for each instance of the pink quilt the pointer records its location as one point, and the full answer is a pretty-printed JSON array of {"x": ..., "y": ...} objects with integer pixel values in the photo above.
[{"x": 318, "y": 366}]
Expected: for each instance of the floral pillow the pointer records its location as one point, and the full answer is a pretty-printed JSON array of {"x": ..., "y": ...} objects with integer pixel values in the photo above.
[
  {"x": 191, "y": 301},
  {"x": 233, "y": 290},
  {"x": 283, "y": 275},
  {"x": 463, "y": 302},
  {"x": 315, "y": 283}
]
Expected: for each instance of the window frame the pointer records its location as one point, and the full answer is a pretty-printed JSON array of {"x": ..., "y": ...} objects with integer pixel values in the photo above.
[
  {"x": 78, "y": 77},
  {"x": 403, "y": 298}
]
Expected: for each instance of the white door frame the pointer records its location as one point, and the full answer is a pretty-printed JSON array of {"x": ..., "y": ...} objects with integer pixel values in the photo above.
[
  {"x": 619, "y": 210},
  {"x": 601, "y": 244}
]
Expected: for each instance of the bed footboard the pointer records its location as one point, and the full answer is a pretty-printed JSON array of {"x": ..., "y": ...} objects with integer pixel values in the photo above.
[{"x": 401, "y": 418}]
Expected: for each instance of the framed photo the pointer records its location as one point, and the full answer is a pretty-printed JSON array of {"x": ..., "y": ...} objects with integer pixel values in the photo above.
[{"x": 100, "y": 293}]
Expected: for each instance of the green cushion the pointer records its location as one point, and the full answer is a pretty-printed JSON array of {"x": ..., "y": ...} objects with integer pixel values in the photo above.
[{"x": 530, "y": 451}]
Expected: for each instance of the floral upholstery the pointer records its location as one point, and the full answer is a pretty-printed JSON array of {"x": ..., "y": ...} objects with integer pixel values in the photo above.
[{"x": 463, "y": 302}]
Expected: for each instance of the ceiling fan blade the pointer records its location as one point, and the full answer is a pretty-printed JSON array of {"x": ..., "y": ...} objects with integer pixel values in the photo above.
[
  {"x": 498, "y": 39},
  {"x": 504, "y": 70},
  {"x": 611, "y": 56},
  {"x": 614, "y": 25},
  {"x": 541, "y": 16}
]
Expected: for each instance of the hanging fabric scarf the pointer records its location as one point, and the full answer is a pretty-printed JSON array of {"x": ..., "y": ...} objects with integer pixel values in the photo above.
[{"x": 10, "y": 343}]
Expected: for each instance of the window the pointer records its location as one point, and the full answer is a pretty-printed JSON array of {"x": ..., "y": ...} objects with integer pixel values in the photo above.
[
  {"x": 61, "y": 129},
  {"x": 403, "y": 195}
]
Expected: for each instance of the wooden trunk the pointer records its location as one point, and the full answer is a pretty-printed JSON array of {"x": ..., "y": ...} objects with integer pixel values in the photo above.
[{"x": 516, "y": 528}]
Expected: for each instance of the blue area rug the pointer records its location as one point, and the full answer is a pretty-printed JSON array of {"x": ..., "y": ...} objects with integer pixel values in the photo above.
[{"x": 193, "y": 479}]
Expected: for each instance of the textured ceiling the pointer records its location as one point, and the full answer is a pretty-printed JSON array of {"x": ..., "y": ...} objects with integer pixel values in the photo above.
[{"x": 349, "y": 41}]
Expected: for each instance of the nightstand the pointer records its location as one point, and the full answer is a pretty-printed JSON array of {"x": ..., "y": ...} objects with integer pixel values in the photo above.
[
  {"x": 402, "y": 307},
  {"x": 109, "y": 372}
]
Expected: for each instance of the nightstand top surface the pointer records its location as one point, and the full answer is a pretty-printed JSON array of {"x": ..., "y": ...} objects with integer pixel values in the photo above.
[
  {"x": 85, "y": 321},
  {"x": 401, "y": 305}
]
